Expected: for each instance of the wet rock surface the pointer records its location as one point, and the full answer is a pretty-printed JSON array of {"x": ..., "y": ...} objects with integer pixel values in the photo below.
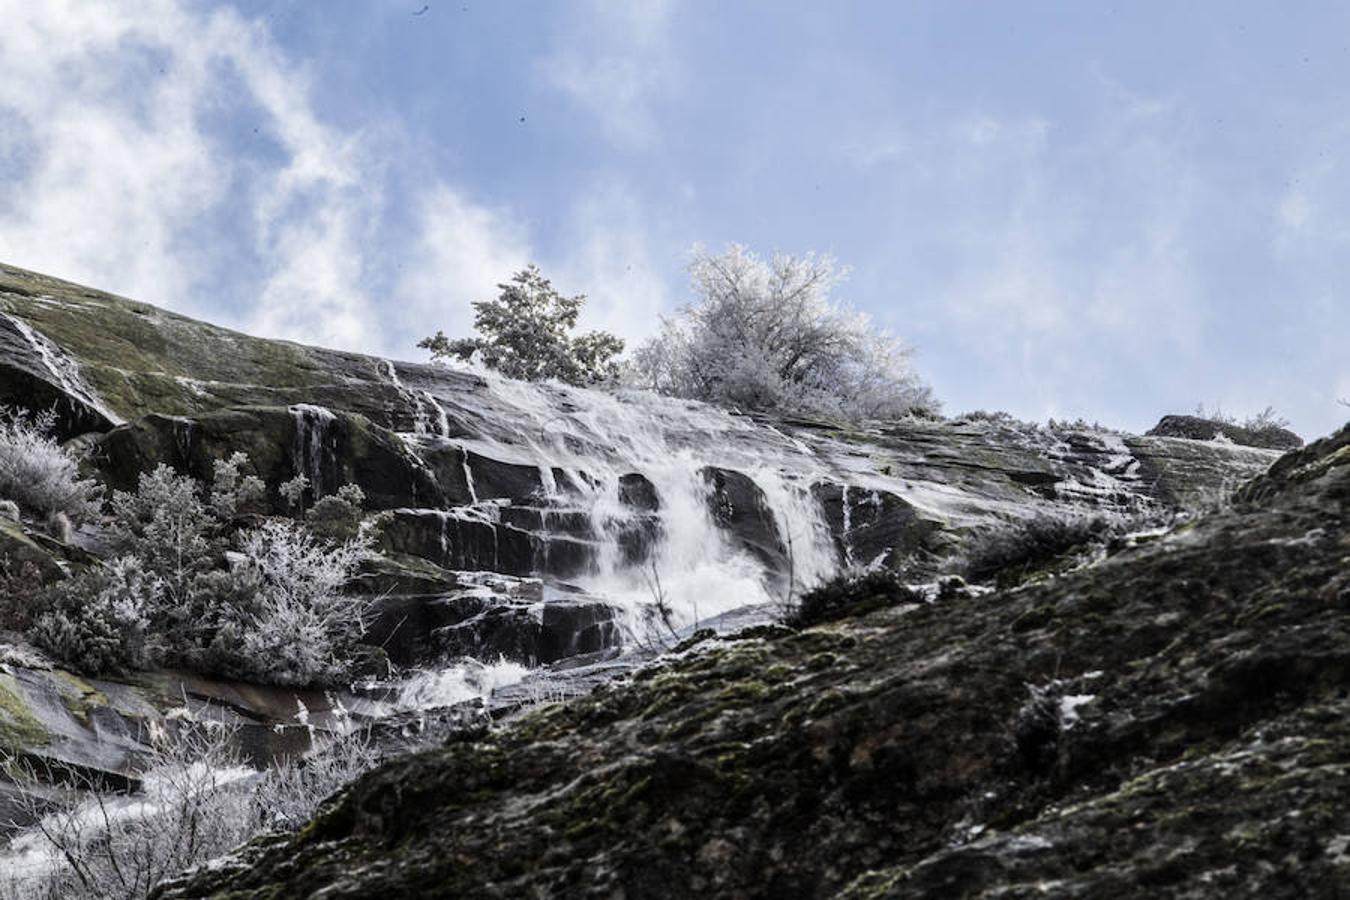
[
  {"x": 489, "y": 616},
  {"x": 1169, "y": 722}
]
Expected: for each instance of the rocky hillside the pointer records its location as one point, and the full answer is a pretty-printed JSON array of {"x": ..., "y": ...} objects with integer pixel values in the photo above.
[
  {"x": 570, "y": 534},
  {"x": 1170, "y": 722}
]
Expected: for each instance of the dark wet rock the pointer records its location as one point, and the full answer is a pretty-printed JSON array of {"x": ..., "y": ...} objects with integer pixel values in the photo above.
[
  {"x": 477, "y": 540},
  {"x": 544, "y": 631},
  {"x": 330, "y": 449},
  {"x": 35, "y": 374},
  {"x": 398, "y": 573},
  {"x": 576, "y": 523},
  {"x": 91, "y": 732},
  {"x": 873, "y": 527},
  {"x": 1171, "y": 721},
  {"x": 638, "y": 538},
  {"x": 490, "y": 617},
  {"x": 19, "y": 548},
  {"x": 739, "y": 506},
  {"x": 637, "y": 492},
  {"x": 497, "y": 480},
  {"x": 1199, "y": 428}
]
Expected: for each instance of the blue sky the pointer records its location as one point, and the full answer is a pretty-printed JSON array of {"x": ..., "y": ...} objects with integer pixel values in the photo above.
[{"x": 1106, "y": 210}]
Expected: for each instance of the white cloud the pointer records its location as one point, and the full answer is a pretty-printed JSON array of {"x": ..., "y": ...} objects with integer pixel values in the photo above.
[
  {"x": 123, "y": 167},
  {"x": 464, "y": 251},
  {"x": 616, "y": 62},
  {"x": 611, "y": 260}
]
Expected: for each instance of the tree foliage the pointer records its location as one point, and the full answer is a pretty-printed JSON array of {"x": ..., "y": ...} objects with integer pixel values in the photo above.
[
  {"x": 190, "y": 587},
  {"x": 38, "y": 474},
  {"x": 766, "y": 335},
  {"x": 526, "y": 333}
]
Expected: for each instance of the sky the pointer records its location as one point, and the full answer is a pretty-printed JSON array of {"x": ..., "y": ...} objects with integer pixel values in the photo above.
[{"x": 1078, "y": 209}]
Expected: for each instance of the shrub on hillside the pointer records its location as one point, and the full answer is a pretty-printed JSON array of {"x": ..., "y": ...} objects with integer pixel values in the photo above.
[
  {"x": 1265, "y": 429},
  {"x": 100, "y": 621},
  {"x": 22, "y": 595},
  {"x": 273, "y": 609},
  {"x": 166, "y": 525},
  {"x": 337, "y": 517},
  {"x": 1008, "y": 552},
  {"x": 233, "y": 493},
  {"x": 38, "y": 474},
  {"x": 767, "y": 336},
  {"x": 298, "y": 616},
  {"x": 851, "y": 595}
]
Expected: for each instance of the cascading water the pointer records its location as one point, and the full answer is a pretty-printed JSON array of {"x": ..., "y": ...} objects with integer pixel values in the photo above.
[
  {"x": 585, "y": 442},
  {"x": 64, "y": 370},
  {"x": 312, "y": 450}
]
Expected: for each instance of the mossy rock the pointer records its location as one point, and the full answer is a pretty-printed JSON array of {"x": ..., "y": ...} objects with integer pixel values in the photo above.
[{"x": 20, "y": 729}]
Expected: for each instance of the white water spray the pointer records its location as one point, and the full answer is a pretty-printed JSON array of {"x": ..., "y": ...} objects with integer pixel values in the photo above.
[{"x": 584, "y": 441}]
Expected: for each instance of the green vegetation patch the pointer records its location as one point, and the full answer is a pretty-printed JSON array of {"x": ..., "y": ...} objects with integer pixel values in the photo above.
[{"x": 19, "y": 728}]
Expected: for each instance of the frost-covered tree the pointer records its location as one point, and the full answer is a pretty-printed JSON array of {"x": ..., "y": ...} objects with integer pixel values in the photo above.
[
  {"x": 38, "y": 474},
  {"x": 100, "y": 620},
  {"x": 189, "y": 588},
  {"x": 526, "y": 333},
  {"x": 299, "y": 615},
  {"x": 767, "y": 335}
]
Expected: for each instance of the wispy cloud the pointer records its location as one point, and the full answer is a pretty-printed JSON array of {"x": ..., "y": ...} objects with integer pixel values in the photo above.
[
  {"x": 463, "y": 251},
  {"x": 616, "y": 62},
  {"x": 177, "y": 156},
  {"x": 614, "y": 262}
]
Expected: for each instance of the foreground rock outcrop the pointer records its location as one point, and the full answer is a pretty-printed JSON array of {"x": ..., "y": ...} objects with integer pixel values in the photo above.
[{"x": 1169, "y": 722}]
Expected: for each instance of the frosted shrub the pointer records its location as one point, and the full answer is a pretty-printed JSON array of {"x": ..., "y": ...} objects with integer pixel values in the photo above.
[
  {"x": 276, "y": 610},
  {"x": 1011, "y": 551},
  {"x": 850, "y": 594},
  {"x": 766, "y": 335},
  {"x": 38, "y": 474},
  {"x": 300, "y": 616},
  {"x": 166, "y": 525},
  {"x": 100, "y": 621},
  {"x": 233, "y": 493},
  {"x": 337, "y": 517},
  {"x": 198, "y": 802},
  {"x": 293, "y": 494},
  {"x": 295, "y": 789}
]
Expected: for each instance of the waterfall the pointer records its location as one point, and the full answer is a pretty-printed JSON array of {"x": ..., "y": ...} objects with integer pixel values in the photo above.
[
  {"x": 313, "y": 444},
  {"x": 583, "y": 443},
  {"x": 63, "y": 369},
  {"x": 422, "y": 403}
]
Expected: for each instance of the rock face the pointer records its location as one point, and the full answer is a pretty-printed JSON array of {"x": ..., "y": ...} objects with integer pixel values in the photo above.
[
  {"x": 1199, "y": 428},
  {"x": 1172, "y": 721},
  {"x": 536, "y": 524},
  {"x": 589, "y": 469}
]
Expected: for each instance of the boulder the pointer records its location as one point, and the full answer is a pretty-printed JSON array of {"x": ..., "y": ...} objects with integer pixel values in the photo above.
[
  {"x": 873, "y": 527},
  {"x": 490, "y": 617},
  {"x": 475, "y": 539},
  {"x": 739, "y": 506},
  {"x": 638, "y": 493},
  {"x": 18, "y": 549},
  {"x": 1199, "y": 428}
]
